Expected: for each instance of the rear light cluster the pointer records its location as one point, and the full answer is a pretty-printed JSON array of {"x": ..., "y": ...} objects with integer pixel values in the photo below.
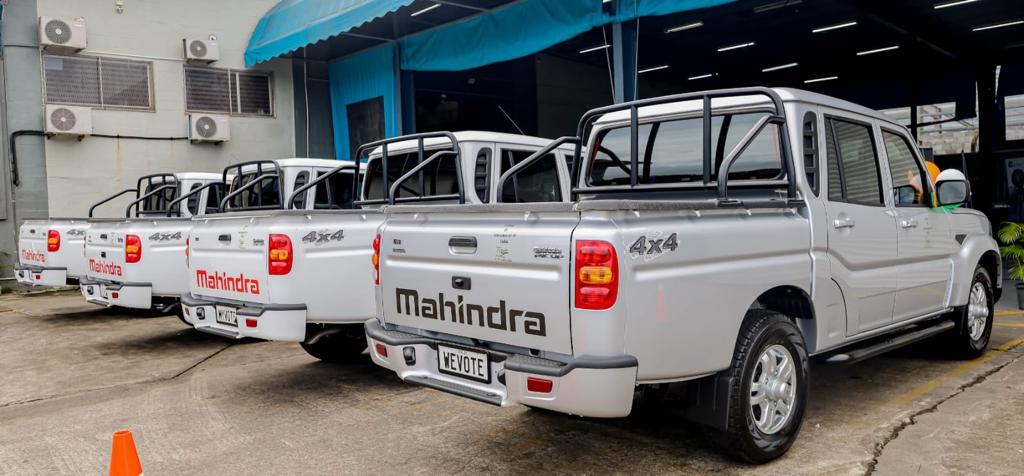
[
  {"x": 52, "y": 241},
  {"x": 597, "y": 275},
  {"x": 188, "y": 242},
  {"x": 376, "y": 260},
  {"x": 279, "y": 255},
  {"x": 539, "y": 385},
  {"x": 132, "y": 248}
]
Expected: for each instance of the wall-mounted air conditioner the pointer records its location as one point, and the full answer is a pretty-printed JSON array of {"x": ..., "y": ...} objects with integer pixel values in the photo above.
[
  {"x": 63, "y": 120},
  {"x": 200, "y": 51},
  {"x": 208, "y": 128},
  {"x": 62, "y": 34}
]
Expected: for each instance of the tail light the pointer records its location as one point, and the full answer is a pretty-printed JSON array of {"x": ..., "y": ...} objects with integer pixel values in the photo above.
[
  {"x": 52, "y": 241},
  {"x": 376, "y": 260},
  {"x": 132, "y": 248},
  {"x": 597, "y": 275},
  {"x": 279, "y": 255},
  {"x": 188, "y": 242}
]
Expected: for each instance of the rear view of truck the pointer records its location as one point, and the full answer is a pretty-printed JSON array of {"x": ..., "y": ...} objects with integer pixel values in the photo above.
[
  {"x": 139, "y": 262},
  {"x": 50, "y": 251}
]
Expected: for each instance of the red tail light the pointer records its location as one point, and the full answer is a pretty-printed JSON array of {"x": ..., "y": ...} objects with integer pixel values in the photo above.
[
  {"x": 188, "y": 242},
  {"x": 132, "y": 248},
  {"x": 376, "y": 260},
  {"x": 279, "y": 255},
  {"x": 539, "y": 385},
  {"x": 597, "y": 275},
  {"x": 52, "y": 241}
]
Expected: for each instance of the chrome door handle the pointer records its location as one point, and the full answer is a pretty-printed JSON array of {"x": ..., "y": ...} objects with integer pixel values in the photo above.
[
  {"x": 908, "y": 223},
  {"x": 843, "y": 223}
]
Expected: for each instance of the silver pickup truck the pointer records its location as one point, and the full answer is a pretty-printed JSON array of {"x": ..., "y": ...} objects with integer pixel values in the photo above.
[
  {"x": 139, "y": 262},
  {"x": 719, "y": 239},
  {"x": 308, "y": 269}
]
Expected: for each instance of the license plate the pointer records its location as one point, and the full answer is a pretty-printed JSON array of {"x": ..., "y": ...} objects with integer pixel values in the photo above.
[
  {"x": 227, "y": 315},
  {"x": 464, "y": 363},
  {"x": 104, "y": 294}
]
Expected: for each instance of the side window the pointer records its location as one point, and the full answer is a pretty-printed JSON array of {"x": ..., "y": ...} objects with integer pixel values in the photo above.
[
  {"x": 214, "y": 194},
  {"x": 538, "y": 182},
  {"x": 192, "y": 202},
  {"x": 335, "y": 193},
  {"x": 810, "y": 150},
  {"x": 482, "y": 175},
  {"x": 851, "y": 153},
  {"x": 300, "y": 180},
  {"x": 909, "y": 181}
]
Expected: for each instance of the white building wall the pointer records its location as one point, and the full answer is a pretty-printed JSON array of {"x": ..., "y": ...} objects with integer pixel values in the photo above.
[{"x": 80, "y": 173}]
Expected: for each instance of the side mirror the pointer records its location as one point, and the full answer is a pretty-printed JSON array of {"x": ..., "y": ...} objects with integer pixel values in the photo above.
[{"x": 953, "y": 192}]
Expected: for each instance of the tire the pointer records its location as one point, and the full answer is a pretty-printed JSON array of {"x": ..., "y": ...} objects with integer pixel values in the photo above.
[
  {"x": 970, "y": 338},
  {"x": 342, "y": 347},
  {"x": 768, "y": 342}
]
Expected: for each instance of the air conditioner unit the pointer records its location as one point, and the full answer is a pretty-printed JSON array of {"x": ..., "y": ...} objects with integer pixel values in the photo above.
[
  {"x": 68, "y": 120},
  {"x": 62, "y": 34},
  {"x": 208, "y": 128},
  {"x": 200, "y": 51}
]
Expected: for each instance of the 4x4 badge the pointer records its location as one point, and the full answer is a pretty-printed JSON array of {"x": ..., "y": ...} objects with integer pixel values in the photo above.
[
  {"x": 318, "y": 238},
  {"x": 651, "y": 248}
]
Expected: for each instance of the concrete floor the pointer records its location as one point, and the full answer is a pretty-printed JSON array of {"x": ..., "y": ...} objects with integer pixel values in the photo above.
[{"x": 71, "y": 374}]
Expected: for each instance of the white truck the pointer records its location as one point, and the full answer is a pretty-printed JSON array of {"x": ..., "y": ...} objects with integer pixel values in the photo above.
[
  {"x": 51, "y": 252},
  {"x": 139, "y": 262},
  {"x": 720, "y": 239},
  {"x": 305, "y": 275}
]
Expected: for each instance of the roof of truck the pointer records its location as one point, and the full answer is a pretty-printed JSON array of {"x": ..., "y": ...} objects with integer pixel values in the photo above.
[
  {"x": 307, "y": 162},
  {"x": 786, "y": 94},
  {"x": 469, "y": 136},
  {"x": 197, "y": 176}
]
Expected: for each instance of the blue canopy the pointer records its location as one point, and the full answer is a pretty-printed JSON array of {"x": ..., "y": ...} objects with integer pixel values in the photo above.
[{"x": 292, "y": 24}]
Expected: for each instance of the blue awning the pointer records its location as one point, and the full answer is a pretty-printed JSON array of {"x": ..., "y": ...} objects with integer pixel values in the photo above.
[{"x": 292, "y": 24}]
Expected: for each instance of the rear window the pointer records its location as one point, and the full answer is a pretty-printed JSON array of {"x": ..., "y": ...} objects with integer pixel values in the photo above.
[
  {"x": 538, "y": 182},
  {"x": 158, "y": 202},
  {"x": 214, "y": 194},
  {"x": 438, "y": 178},
  {"x": 672, "y": 151},
  {"x": 335, "y": 193},
  {"x": 265, "y": 194}
]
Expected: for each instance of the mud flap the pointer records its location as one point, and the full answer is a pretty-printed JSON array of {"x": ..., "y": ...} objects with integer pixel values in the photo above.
[{"x": 708, "y": 401}]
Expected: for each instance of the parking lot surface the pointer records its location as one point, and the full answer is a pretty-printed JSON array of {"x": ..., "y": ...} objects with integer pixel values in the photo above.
[{"x": 73, "y": 373}]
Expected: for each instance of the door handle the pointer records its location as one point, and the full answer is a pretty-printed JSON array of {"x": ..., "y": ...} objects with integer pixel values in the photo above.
[
  {"x": 908, "y": 223},
  {"x": 224, "y": 238},
  {"x": 843, "y": 223},
  {"x": 462, "y": 242}
]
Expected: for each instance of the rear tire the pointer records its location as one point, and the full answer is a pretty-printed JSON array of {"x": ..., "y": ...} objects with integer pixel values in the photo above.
[
  {"x": 769, "y": 378},
  {"x": 342, "y": 347},
  {"x": 973, "y": 329}
]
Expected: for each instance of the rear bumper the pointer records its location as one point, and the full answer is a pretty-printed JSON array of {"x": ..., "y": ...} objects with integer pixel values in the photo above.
[
  {"x": 109, "y": 293},
  {"x": 41, "y": 275},
  {"x": 587, "y": 386},
  {"x": 283, "y": 322}
]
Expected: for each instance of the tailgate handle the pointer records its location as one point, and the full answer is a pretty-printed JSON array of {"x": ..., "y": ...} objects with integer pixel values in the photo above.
[
  {"x": 461, "y": 282},
  {"x": 462, "y": 242},
  {"x": 103, "y": 236},
  {"x": 224, "y": 238}
]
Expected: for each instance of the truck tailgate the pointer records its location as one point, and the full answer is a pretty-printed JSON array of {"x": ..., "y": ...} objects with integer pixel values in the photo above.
[
  {"x": 32, "y": 243},
  {"x": 454, "y": 269},
  {"x": 228, "y": 260},
  {"x": 104, "y": 251}
]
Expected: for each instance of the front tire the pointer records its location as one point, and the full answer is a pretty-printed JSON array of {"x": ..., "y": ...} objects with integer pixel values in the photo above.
[
  {"x": 973, "y": 331},
  {"x": 768, "y": 379},
  {"x": 342, "y": 346}
]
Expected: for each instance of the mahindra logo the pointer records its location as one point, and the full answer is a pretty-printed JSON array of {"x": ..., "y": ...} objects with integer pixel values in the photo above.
[
  {"x": 29, "y": 255},
  {"x": 223, "y": 282},
  {"x": 102, "y": 267},
  {"x": 408, "y": 302}
]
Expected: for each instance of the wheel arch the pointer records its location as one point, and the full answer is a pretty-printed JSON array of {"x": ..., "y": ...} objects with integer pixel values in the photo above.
[
  {"x": 795, "y": 303},
  {"x": 976, "y": 249}
]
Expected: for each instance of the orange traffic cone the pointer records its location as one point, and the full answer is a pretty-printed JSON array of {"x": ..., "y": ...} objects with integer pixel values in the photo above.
[{"x": 124, "y": 460}]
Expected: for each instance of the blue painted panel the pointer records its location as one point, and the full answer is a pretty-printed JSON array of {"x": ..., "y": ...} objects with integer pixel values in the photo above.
[{"x": 365, "y": 75}]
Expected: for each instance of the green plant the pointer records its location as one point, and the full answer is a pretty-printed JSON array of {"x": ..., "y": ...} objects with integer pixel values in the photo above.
[{"x": 1011, "y": 235}]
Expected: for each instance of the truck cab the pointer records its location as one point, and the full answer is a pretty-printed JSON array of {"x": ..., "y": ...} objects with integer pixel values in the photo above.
[{"x": 714, "y": 240}]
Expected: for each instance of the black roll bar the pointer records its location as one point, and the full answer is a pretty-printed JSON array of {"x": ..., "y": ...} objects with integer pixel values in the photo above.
[
  {"x": 533, "y": 158},
  {"x": 135, "y": 203},
  {"x": 588, "y": 119},
  {"x": 260, "y": 175},
  {"x": 418, "y": 137},
  {"x": 105, "y": 200},
  {"x": 183, "y": 197},
  {"x": 416, "y": 170},
  {"x": 323, "y": 177}
]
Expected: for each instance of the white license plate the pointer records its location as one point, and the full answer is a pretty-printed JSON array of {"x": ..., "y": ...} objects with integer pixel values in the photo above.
[
  {"x": 464, "y": 363},
  {"x": 227, "y": 315}
]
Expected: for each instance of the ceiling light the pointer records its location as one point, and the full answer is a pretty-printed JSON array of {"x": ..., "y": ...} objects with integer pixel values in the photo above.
[
  {"x": 596, "y": 48},
  {"x": 691, "y": 78},
  {"x": 781, "y": 66},
  {"x": 879, "y": 50},
  {"x": 425, "y": 10},
  {"x": 656, "y": 68},
  {"x": 998, "y": 25},
  {"x": 818, "y": 80},
  {"x": 953, "y": 3},
  {"x": 833, "y": 27},
  {"x": 776, "y": 5},
  {"x": 687, "y": 26},
  {"x": 735, "y": 47}
]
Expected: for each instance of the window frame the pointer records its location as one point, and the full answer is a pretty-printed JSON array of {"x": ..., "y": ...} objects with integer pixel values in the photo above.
[
  {"x": 99, "y": 76},
  {"x": 929, "y": 192},
  {"x": 236, "y": 100},
  {"x": 839, "y": 155}
]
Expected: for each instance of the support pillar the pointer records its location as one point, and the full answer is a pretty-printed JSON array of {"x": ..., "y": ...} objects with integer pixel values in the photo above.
[{"x": 624, "y": 60}]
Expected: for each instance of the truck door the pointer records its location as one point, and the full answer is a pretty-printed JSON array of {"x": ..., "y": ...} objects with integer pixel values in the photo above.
[
  {"x": 861, "y": 229},
  {"x": 923, "y": 236}
]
